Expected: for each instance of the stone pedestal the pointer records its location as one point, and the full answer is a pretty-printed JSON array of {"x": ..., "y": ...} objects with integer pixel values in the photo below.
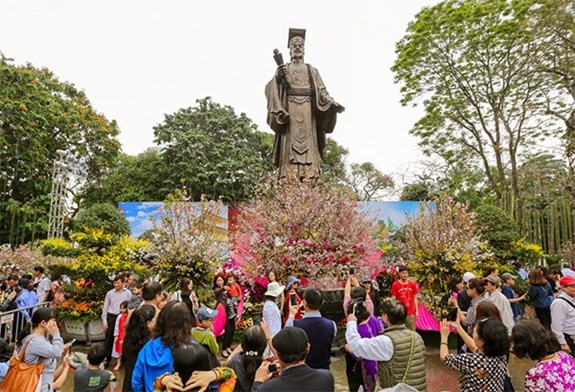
[
  {"x": 90, "y": 331},
  {"x": 96, "y": 331},
  {"x": 76, "y": 330}
]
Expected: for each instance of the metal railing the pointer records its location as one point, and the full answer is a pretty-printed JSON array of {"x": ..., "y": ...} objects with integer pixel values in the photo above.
[{"x": 13, "y": 321}]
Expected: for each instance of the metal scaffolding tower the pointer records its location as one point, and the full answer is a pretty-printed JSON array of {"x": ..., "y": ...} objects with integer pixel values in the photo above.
[{"x": 60, "y": 177}]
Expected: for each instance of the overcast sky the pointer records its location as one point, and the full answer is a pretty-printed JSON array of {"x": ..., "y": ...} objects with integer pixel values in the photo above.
[{"x": 137, "y": 60}]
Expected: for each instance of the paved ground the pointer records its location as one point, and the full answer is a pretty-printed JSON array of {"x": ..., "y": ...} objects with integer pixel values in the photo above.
[{"x": 439, "y": 378}]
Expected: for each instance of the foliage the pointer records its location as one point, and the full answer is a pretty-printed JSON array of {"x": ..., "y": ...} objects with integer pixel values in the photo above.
[
  {"x": 58, "y": 247},
  {"x": 368, "y": 182},
  {"x": 94, "y": 239},
  {"x": 102, "y": 216},
  {"x": 418, "y": 191},
  {"x": 144, "y": 177},
  {"x": 553, "y": 24},
  {"x": 20, "y": 260},
  {"x": 525, "y": 252},
  {"x": 229, "y": 154},
  {"x": 568, "y": 252},
  {"x": 496, "y": 227},
  {"x": 187, "y": 241},
  {"x": 473, "y": 63},
  {"x": 295, "y": 228},
  {"x": 440, "y": 243},
  {"x": 333, "y": 163},
  {"x": 101, "y": 257},
  {"x": 39, "y": 114},
  {"x": 549, "y": 203}
]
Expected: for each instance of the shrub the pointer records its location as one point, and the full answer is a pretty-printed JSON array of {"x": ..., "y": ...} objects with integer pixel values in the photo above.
[{"x": 102, "y": 216}]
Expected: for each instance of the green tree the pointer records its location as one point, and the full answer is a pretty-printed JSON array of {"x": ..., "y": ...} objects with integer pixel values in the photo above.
[
  {"x": 418, "y": 191},
  {"x": 40, "y": 114},
  {"x": 217, "y": 152},
  {"x": 143, "y": 177},
  {"x": 553, "y": 24},
  {"x": 368, "y": 182},
  {"x": 549, "y": 206},
  {"x": 333, "y": 162},
  {"x": 473, "y": 65},
  {"x": 102, "y": 216},
  {"x": 496, "y": 227}
]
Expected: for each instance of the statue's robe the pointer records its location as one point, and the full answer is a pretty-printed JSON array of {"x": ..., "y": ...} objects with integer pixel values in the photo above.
[{"x": 300, "y": 114}]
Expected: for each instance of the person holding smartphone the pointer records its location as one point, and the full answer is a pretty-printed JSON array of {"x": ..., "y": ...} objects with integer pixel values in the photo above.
[
  {"x": 320, "y": 331},
  {"x": 292, "y": 297}
]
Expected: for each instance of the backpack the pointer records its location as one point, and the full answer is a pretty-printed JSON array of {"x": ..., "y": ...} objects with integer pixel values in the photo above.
[{"x": 21, "y": 376}]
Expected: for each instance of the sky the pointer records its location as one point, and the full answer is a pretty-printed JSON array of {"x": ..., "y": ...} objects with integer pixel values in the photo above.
[{"x": 139, "y": 59}]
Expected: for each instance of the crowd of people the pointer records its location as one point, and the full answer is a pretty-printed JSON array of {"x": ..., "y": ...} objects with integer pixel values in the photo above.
[{"x": 175, "y": 342}]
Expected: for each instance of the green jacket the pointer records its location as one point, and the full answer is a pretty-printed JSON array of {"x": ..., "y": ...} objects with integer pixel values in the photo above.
[
  {"x": 392, "y": 372},
  {"x": 206, "y": 338}
]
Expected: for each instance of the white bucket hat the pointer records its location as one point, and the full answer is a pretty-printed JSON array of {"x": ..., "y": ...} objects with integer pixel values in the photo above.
[{"x": 274, "y": 289}]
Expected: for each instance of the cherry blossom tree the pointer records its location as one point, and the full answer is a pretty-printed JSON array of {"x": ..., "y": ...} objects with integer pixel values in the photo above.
[{"x": 299, "y": 228}]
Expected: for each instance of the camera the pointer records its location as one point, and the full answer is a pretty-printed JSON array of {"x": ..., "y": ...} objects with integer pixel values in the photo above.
[
  {"x": 273, "y": 368},
  {"x": 293, "y": 299}
]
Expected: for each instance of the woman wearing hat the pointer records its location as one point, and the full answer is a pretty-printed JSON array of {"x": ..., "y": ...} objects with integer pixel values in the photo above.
[
  {"x": 291, "y": 288},
  {"x": 271, "y": 312}
]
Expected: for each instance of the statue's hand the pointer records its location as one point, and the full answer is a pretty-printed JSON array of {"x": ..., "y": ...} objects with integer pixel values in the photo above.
[
  {"x": 282, "y": 72},
  {"x": 338, "y": 107}
]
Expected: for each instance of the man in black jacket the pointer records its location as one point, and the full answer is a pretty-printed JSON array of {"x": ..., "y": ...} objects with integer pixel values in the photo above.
[{"x": 291, "y": 346}]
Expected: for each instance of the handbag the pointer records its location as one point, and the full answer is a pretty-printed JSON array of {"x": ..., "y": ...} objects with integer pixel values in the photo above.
[{"x": 21, "y": 376}]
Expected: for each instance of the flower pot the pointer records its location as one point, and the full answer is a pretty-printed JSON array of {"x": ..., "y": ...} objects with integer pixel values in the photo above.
[
  {"x": 76, "y": 330},
  {"x": 95, "y": 331}
]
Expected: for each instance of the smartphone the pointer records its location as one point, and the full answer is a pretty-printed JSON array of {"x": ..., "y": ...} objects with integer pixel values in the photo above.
[
  {"x": 273, "y": 368},
  {"x": 292, "y": 299},
  {"x": 71, "y": 342},
  {"x": 452, "y": 314},
  {"x": 351, "y": 270},
  {"x": 354, "y": 308}
]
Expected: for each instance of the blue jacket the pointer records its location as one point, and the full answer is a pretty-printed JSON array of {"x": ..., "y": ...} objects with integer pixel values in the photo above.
[
  {"x": 153, "y": 360},
  {"x": 541, "y": 295}
]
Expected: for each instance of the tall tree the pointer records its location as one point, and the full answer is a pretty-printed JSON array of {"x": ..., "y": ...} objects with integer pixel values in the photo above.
[
  {"x": 143, "y": 177},
  {"x": 553, "y": 26},
  {"x": 217, "y": 152},
  {"x": 472, "y": 63},
  {"x": 368, "y": 182},
  {"x": 39, "y": 114}
]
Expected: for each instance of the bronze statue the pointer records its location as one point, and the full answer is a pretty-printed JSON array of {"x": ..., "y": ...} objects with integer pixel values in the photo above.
[{"x": 300, "y": 112}]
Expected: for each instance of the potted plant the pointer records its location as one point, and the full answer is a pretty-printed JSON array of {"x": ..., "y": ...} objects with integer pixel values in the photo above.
[{"x": 100, "y": 257}]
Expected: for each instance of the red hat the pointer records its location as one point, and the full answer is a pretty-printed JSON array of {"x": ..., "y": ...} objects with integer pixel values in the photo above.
[{"x": 567, "y": 280}]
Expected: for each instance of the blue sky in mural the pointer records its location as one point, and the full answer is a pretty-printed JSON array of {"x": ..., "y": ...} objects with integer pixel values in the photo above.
[
  {"x": 141, "y": 215},
  {"x": 395, "y": 212},
  {"x": 138, "y": 215}
]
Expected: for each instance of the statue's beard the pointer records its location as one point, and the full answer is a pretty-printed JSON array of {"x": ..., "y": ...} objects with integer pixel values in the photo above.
[{"x": 297, "y": 57}]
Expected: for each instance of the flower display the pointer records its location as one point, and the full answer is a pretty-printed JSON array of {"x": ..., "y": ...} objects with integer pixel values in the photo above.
[
  {"x": 187, "y": 241},
  {"x": 440, "y": 243},
  {"x": 20, "y": 260},
  {"x": 297, "y": 228},
  {"x": 90, "y": 274},
  {"x": 80, "y": 311}
]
